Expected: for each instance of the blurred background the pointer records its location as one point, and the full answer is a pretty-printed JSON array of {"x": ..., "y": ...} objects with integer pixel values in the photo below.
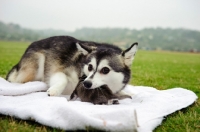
[{"x": 157, "y": 24}]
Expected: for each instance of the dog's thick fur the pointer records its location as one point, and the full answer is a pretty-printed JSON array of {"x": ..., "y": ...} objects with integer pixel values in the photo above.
[{"x": 59, "y": 62}]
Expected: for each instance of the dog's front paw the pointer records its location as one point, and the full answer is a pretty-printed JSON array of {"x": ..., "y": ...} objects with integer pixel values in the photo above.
[
  {"x": 113, "y": 101},
  {"x": 53, "y": 92}
]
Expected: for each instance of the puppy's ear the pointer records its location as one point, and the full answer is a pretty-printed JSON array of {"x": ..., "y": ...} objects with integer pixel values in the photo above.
[
  {"x": 84, "y": 49},
  {"x": 129, "y": 54}
]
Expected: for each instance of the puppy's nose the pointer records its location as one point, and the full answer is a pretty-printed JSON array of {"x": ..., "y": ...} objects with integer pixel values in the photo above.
[{"x": 87, "y": 84}]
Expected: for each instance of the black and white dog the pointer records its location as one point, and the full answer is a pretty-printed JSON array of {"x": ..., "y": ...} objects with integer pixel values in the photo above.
[{"x": 59, "y": 62}]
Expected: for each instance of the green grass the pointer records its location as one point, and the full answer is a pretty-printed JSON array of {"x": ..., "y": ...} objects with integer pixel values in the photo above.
[{"x": 162, "y": 70}]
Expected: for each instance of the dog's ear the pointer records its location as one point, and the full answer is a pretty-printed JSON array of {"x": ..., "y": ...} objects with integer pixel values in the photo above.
[
  {"x": 84, "y": 49},
  {"x": 129, "y": 54}
]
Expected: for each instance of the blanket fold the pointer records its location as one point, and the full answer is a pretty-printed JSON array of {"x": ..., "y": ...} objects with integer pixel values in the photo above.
[{"x": 144, "y": 112}]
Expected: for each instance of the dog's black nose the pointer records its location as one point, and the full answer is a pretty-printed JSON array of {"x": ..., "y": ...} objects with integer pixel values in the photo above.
[{"x": 87, "y": 84}]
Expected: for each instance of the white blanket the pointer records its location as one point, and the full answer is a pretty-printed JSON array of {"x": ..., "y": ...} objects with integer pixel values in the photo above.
[{"x": 144, "y": 112}]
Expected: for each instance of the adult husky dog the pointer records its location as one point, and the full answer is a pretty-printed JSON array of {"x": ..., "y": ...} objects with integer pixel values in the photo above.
[{"x": 59, "y": 62}]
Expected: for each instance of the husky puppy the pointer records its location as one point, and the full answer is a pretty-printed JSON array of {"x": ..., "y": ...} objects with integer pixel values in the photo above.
[
  {"x": 100, "y": 95},
  {"x": 59, "y": 62}
]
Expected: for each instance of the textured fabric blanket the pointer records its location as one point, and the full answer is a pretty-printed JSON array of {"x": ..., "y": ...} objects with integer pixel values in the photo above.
[{"x": 144, "y": 112}]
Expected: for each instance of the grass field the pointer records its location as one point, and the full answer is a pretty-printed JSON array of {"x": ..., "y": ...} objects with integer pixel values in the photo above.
[{"x": 162, "y": 70}]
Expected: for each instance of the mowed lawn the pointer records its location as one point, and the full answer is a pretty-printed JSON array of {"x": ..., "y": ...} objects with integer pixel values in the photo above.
[{"x": 159, "y": 69}]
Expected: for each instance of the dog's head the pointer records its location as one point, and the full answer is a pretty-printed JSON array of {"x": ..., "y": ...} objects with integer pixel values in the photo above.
[{"x": 108, "y": 66}]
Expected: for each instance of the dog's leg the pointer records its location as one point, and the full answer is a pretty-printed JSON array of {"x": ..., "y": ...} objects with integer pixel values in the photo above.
[
  {"x": 58, "y": 82},
  {"x": 25, "y": 73},
  {"x": 122, "y": 92},
  {"x": 30, "y": 68},
  {"x": 113, "y": 101},
  {"x": 73, "y": 96}
]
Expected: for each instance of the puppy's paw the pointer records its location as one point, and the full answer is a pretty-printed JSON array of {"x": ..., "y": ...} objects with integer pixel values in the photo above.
[
  {"x": 73, "y": 97},
  {"x": 53, "y": 92},
  {"x": 113, "y": 101}
]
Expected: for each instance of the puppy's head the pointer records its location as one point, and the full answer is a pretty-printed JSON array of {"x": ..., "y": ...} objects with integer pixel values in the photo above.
[{"x": 108, "y": 66}]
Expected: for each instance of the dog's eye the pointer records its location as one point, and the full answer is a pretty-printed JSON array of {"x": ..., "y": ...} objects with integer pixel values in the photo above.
[
  {"x": 105, "y": 70},
  {"x": 90, "y": 67}
]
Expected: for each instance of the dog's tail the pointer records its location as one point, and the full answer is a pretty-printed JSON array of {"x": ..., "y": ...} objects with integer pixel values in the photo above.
[{"x": 12, "y": 74}]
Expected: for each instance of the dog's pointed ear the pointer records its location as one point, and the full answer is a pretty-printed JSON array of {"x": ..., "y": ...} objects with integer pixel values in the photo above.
[
  {"x": 84, "y": 49},
  {"x": 129, "y": 54}
]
